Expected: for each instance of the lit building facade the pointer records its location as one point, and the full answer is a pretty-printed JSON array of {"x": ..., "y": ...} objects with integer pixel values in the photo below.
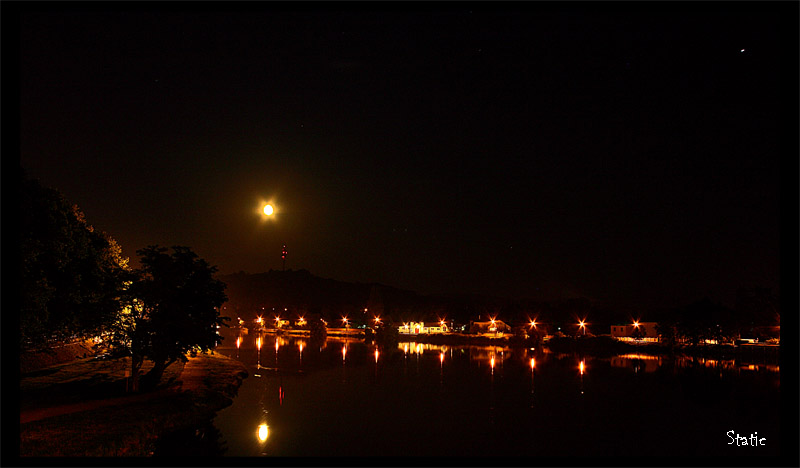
[
  {"x": 626, "y": 332},
  {"x": 424, "y": 328}
]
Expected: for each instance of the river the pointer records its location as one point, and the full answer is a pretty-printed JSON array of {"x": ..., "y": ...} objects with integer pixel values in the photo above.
[{"x": 347, "y": 398}]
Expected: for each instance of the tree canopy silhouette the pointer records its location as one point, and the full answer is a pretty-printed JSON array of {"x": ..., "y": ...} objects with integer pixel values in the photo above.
[
  {"x": 72, "y": 275},
  {"x": 173, "y": 310}
]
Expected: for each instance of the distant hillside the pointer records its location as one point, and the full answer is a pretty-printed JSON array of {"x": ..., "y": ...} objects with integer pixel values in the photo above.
[{"x": 303, "y": 293}]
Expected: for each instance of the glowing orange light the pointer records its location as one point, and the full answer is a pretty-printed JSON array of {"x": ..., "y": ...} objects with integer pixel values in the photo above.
[
  {"x": 636, "y": 324},
  {"x": 258, "y": 343},
  {"x": 441, "y": 358},
  {"x": 300, "y": 345},
  {"x": 276, "y": 344},
  {"x": 238, "y": 342},
  {"x": 582, "y": 367},
  {"x": 533, "y": 363},
  {"x": 268, "y": 210},
  {"x": 263, "y": 432},
  {"x": 533, "y": 323},
  {"x": 492, "y": 362},
  {"x": 344, "y": 351},
  {"x": 376, "y": 356}
]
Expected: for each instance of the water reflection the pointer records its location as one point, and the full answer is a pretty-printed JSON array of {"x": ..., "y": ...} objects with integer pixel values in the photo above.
[
  {"x": 263, "y": 432},
  {"x": 204, "y": 440},
  {"x": 300, "y": 344},
  {"x": 539, "y": 384},
  {"x": 533, "y": 367},
  {"x": 649, "y": 363}
]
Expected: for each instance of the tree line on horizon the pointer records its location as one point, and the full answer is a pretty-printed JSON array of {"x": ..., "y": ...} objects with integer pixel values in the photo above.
[{"x": 302, "y": 293}]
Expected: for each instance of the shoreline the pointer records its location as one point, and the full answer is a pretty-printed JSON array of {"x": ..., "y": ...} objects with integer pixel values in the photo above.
[
  {"x": 114, "y": 422},
  {"x": 600, "y": 346}
]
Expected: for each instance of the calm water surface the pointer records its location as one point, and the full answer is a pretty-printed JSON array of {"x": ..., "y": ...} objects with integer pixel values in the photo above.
[{"x": 345, "y": 397}]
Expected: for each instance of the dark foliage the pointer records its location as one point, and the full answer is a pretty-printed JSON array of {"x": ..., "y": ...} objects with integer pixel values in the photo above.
[
  {"x": 72, "y": 275},
  {"x": 317, "y": 328},
  {"x": 174, "y": 310},
  {"x": 387, "y": 336}
]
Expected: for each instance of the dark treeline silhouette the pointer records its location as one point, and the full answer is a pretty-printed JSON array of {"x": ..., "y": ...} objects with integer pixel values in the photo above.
[
  {"x": 71, "y": 274},
  {"x": 303, "y": 294}
]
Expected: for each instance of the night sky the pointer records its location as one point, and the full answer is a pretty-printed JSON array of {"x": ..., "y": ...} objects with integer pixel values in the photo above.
[{"x": 629, "y": 153}]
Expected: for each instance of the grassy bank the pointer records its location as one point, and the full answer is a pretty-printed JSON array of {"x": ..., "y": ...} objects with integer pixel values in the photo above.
[{"x": 83, "y": 409}]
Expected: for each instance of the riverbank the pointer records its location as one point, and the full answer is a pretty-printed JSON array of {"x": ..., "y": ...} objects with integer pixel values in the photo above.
[
  {"x": 82, "y": 408},
  {"x": 600, "y": 346},
  {"x": 458, "y": 339}
]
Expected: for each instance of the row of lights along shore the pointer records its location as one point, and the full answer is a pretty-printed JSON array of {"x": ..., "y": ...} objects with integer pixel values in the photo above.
[{"x": 269, "y": 210}]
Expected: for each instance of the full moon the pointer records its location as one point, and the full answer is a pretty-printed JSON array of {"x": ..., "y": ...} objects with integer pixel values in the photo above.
[{"x": 268, "y": 210}]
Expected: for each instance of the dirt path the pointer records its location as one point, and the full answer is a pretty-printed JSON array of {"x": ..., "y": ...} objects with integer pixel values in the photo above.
[
  {"x": 44, "y": 413},
  {"x": 194, "y": 379}
]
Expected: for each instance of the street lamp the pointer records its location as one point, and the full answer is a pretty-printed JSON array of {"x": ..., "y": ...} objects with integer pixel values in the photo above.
[
  {"x": 582, "y": 324},
  {"x": 344, "y": 319}
]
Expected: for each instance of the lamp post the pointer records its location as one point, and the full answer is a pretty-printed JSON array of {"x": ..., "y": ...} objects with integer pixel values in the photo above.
[{"x": 582, "y": 324}]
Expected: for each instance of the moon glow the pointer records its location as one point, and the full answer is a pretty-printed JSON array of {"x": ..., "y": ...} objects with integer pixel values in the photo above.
[{"x": 268, "y": 210}]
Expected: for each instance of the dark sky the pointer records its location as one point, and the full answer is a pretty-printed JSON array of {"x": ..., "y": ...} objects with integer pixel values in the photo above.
[{"x": 630, "y": 153}]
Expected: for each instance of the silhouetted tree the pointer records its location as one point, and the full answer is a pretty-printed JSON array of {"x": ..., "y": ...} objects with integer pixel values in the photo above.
[
  {"x": 704, "y": 320},
  {"x": 666, "y": 328},
  {"x": 72, "y": 275},
  {"x": 387, "y": 336},
  {"x": 173, "y": 310},
  {"x": 318, "y": 329},
  {"x": 756, "y": 307}
]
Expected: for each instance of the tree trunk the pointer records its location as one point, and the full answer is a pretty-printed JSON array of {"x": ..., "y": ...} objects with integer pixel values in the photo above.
[
  {"x": 136, "y": 364},
  {"x": 155, "y": 374}
]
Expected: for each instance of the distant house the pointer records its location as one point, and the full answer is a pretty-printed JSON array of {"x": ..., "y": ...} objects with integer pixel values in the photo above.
[
  {"x": 426, "y": 328},
  {"x": 498, "y": 326},
  {"x": 627, "y": 332}
]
